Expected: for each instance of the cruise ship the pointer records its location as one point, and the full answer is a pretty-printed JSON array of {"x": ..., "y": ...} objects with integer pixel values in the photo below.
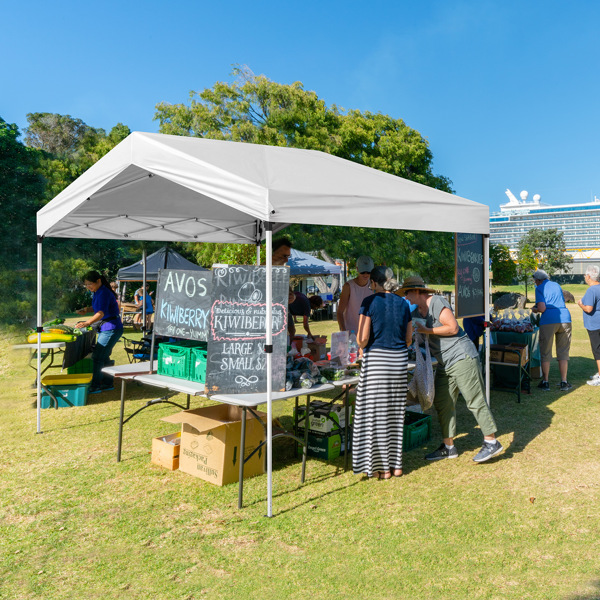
[{"x": 580, "y": 224}]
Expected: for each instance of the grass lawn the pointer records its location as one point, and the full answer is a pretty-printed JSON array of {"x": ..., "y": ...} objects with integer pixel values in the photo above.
[{"x": 76, "y": 524}]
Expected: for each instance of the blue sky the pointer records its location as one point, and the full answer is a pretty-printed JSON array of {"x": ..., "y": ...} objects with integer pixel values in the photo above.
[{"x": 506, "y": 92}]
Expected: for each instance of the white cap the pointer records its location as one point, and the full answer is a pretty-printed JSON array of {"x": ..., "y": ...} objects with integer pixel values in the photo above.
[{"x": 540, "y": 275}]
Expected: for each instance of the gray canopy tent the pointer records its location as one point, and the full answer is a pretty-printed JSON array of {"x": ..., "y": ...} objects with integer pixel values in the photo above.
[
  {"x": 165, "y": 258},
  {"x": 170, "y": 188}
]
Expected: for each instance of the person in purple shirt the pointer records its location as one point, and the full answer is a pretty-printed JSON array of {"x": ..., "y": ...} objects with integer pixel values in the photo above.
[{"x": 107, "y": 319}]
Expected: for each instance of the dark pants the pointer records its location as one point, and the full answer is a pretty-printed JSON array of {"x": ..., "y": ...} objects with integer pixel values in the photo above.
[{"x": 104, "y": 344}]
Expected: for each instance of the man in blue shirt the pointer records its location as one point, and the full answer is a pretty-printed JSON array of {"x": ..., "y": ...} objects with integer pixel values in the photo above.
[
  {"x": 555, "y": 323},
  {"x": 590, "y": 305}
]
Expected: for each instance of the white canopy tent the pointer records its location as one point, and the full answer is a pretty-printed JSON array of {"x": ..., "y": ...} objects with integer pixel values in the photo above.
[{"x": 169, "y": 188}]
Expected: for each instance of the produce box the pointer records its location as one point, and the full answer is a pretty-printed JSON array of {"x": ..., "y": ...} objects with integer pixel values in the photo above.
[
  {"x": 165, "y": 451},
  {"x": 326, "y": 446},
  {"x": 324, "y": 417},
  {"x": 69, "y": 390},
  {"x": 498, "y": 353},
  {"x": 210, "y": 440}
]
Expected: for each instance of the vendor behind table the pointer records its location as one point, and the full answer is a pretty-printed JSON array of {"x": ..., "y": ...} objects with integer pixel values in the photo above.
[
  {"x": 353, "y": 293},
  {"x": 110, "y": 328}
]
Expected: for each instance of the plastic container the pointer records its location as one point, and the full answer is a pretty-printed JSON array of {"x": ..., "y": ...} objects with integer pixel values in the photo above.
[
  {"x": 197, "y": 363},
  {"x": 69, "y": 390},
  {"x": 173, "y": 360},
  {"x": 417, "y": 430},
  {"x": 85, "y": 365}
]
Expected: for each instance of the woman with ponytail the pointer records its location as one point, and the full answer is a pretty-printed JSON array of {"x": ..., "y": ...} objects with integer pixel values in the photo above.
[
  {"x": 384, "y": 332},
  {"x": 107, "y": 320}
]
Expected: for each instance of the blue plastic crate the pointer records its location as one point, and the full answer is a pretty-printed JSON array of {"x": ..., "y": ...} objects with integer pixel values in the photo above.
[{"x": 69, "y": 390}]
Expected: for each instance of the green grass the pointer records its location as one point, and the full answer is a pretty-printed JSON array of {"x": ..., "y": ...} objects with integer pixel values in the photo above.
[{"x": 74, "y": 523}]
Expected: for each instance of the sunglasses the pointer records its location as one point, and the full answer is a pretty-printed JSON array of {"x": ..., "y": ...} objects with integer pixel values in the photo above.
[{"x": 365, "y": 272}]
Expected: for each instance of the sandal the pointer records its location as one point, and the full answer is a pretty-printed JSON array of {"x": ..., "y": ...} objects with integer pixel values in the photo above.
[
  {"x": 397, "y": 472},
  {"x": 384, "y": 475}
]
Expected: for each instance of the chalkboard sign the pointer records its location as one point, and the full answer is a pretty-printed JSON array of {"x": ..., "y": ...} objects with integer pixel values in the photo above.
[
  {"x": 183, "y": 301},
  {"x": 470, "y": 275},
  {"x": 236, "y": 358}
]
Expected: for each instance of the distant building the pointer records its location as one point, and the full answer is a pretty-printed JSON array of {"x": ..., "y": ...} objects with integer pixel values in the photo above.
[{"x": 580, "y": 224}]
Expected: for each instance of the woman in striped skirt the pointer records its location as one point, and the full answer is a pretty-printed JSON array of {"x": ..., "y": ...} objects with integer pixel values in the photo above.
[{"x": 384, "y": 332}]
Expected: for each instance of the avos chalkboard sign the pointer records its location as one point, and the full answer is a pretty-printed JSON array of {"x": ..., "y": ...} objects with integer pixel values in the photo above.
[
  {"x": 183, "y": 301},
  {"x": 236, "y": 358},
  {"x": 470, "y": 275}
]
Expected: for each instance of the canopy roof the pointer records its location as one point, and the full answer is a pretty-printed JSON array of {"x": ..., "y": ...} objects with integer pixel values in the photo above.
[
  {"x": 162, "y": 187},
  {"x": 301, "y": 263},
  {"x": 165, "y": 258}
]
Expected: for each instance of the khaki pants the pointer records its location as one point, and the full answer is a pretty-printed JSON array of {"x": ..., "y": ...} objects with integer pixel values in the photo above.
[
  {"x": 561, "y": 332},
  {"x": 464, "y": 377}
]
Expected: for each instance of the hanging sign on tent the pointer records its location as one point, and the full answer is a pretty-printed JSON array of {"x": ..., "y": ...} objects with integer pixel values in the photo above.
[
  {"x": 470, "y": 275},
  {"x": 237, "y": 362},
  {"x": 183, "y": 301}
]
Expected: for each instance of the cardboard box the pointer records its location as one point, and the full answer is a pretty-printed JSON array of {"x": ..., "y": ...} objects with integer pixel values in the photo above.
[
  {"x": 498, "y": 353},
  {"x": 210, "y": 443},
  {"x": 165, "y": 453},
  {"x": 324, "y": 417}
]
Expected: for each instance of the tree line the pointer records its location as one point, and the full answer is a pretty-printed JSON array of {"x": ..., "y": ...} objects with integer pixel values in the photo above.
[{"x": 56, "y": 149}]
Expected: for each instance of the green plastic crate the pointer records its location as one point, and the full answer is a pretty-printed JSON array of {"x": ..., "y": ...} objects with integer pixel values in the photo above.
[
  {"x": 173, "y": 360},
  {"x": 85, "y": 365},
  {"x": 417, "y": 430},
  {"x": 197, "y": 364}
]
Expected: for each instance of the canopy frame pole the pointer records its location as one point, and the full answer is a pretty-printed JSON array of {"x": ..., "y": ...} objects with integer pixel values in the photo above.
[
  {"x": 39, "y": 329},
  {"x": 269, "y": 353},
  {"x": 144, "y": 293},
  {"x": 486, "y": 298}
]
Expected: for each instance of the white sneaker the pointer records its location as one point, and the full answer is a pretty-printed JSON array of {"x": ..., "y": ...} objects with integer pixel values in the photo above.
[
  {"x": 594, "y": 382},
  {"x": 595, "y": 376}
]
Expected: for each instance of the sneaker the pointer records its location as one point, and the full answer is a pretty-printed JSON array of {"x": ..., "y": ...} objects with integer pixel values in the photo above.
[
  {"x": 95, "y": 390},
  {"x": 488, "y": 450},
  {"x": 595, "y": 376},
  {"x": 544, "y": 386},
  {"x": 565, "y": 386},
  {"x": 593, "y": 381},
  {"x": 441, "y": 453},
  {"x": 107, "y": 388}
]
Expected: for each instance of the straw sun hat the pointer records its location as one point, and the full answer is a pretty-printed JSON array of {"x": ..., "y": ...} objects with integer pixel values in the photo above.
[{"x": 414, "y": 283}]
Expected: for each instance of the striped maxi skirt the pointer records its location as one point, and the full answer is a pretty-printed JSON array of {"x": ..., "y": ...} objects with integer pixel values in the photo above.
[{"x": 379, "y": 411}]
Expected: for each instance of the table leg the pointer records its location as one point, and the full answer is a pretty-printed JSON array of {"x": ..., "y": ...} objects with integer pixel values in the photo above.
[
  {"x": 242, "y": 454},
  {"x": 188, "y": 402},
  {"x": 123, "y": 384},
  {"x": 306, "y": 426}
]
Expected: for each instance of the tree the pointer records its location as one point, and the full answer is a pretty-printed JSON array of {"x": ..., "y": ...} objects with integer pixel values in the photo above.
[
  {"x": 549, "y": 249},
  {"x": 21, "y": 192},
  {"x": 526, "y": 263},
  {"x": 254, "y": 109},
  {"x": 56, "y": 134},
  {"x": 503, "y": 266}
]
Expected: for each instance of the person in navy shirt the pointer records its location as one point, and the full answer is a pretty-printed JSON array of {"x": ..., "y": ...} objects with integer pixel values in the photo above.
[
  {"x": 106, "y": 317},
  {"x": 555, "y": 323},
  {"x": 590, "y": 305}
]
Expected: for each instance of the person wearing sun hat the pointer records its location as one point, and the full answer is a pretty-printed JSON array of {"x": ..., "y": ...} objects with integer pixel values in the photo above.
[
  {"x": 458, "y": 370},
  {"x": 353, "y": 293},
  {"x": 555, "y": 324}
]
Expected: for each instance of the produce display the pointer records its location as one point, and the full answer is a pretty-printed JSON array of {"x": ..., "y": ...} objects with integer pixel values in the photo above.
[
  {"x": 519, "y": 320},
  {"x": 55, "y": 331}
]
